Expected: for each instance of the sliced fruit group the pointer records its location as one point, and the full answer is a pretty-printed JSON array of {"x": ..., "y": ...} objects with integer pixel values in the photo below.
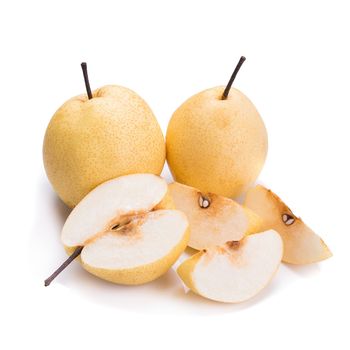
[
  {"x": 127, "y": 233},
  {"x": 301, "y": 244},
  {"x": 214, "y": 219},
  {"x": 235, "y": 271}
]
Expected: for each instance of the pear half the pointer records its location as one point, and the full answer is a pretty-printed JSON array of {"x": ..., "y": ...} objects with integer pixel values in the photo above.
[
  {"x": 214, "y": 219},
  {"x": 235, "y": 271},
  {"x": 127, "y": 233},
  {"x": 301, "y": 244}
]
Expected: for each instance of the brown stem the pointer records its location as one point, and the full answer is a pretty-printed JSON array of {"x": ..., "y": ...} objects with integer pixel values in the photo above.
[
  {"x": 75, "y": 254},
  {"x": 86, "y": 79},
  {"x": 233, "y": 76}
]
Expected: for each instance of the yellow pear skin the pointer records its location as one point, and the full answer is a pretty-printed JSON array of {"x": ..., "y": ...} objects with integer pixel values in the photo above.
[
  {"x": 217, "y": 145},
  {"x": 88, "y": 142}
]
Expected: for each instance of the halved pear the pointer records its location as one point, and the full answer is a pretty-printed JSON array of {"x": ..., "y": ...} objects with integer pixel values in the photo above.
[
  {"x": 127, "y": 233},
  {"x": 235, "y": 271},
  {"x": 301, "y": 244},
  {"x": 214, "y": 219},
  {"x": 140, "y": 251}
]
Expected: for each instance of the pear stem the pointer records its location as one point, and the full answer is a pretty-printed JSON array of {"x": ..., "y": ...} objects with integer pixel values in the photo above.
[
  {"x": 233, "y": 76},
  {"x": 86, "y": 79},
  {"x": 75, "y": 254}
]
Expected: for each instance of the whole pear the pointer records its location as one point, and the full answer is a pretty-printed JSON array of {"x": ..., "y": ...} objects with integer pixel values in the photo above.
[
  {"x": 217, "y": 144},
  {"x": 91, "y": 140}
]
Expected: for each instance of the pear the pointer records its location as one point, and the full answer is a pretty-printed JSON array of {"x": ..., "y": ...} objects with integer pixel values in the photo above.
[
  {"x": 216, "y": 141},
  {"x": 214, "y": 219},
  {"x": 125, "y": 230},
  {"x": 99, "y": 136},
  {"x": 301, "y": 244},
  {"x": 235, "y": 271}
]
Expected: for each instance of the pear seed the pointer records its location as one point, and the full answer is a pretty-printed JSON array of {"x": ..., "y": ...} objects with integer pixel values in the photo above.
[
  {"x": 204, "y": 202},
  {"x": 288, "y": 219}
]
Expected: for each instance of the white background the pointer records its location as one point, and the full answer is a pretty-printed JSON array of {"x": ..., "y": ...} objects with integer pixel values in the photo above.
[{"x": 297, "y": 74}]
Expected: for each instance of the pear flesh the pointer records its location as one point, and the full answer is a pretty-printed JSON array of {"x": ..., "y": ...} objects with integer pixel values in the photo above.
[
  {"x": 235, "y": 271},
  {"x": 214, "y": 219},
  {"x": 301, "y": 244},
  {"x": 105, "y": 206},
  {"x": 128, "y": 234},
  {"x": 139, "y": 252}
]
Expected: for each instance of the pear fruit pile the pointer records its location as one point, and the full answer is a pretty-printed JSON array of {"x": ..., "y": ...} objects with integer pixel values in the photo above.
[
  {"x": 103, "y": 153},
  {"x": 241, "y": 246}
]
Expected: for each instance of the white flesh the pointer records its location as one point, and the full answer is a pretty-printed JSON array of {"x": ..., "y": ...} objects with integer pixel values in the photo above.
[
  {"x": 237, "y": 274},
  {"x": 131, "y": 194},
  {"x": 145, "y": 240}
]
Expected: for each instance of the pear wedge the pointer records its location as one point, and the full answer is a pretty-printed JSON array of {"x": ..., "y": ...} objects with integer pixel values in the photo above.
[
  {"x": 235, "y": 271},
  {"x": 124, "y": 230},
  {"x": 214, "y": 219},
  {"x": 301, "y": 244}
]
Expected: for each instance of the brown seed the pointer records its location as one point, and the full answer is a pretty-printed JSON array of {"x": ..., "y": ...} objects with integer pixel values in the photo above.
[{"x": 288, "y": 219}]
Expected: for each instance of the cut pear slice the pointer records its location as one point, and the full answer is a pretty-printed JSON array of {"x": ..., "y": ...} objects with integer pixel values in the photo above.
[
  {"x": 301, "y": 244},
  {"x": 140, "y": 251},
  {"x": 126, "y": 231},
  {"x": 110, "y": 203},
  {"x": 235, "y": 271},
  {"x": 214, "y": 219}
]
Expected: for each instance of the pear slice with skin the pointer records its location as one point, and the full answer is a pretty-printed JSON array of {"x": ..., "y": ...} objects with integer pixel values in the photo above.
[
  {"x": 214, "y": 219},
  {"x": 126, "y": 231},
  {"x": 235, "y": 271},
  {"x": 301, "y": 244}
]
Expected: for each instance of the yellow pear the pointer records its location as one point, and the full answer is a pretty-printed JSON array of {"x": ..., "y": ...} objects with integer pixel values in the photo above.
[
  {"x": 301, "y": 244},
  {"x": 216, "y": 141},
  {"x": 91, "y": 139},
  {"x": 125, "y": 230}
]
